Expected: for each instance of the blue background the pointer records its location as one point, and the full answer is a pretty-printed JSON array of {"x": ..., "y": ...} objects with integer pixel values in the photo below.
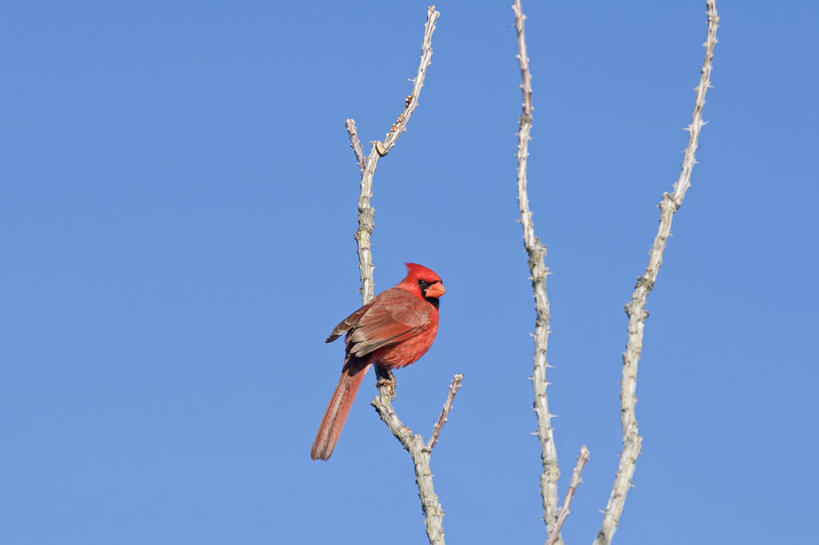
[{"x": 176, "y": 216}]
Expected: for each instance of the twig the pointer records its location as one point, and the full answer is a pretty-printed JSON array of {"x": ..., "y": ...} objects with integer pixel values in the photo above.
[
  {"x": 537, "y": 268},
  {"x": 355, "y": 143},
  {"x": 582, "y": 458},
  {"x": 635, "y": 309},
  {"x": 413, "y": 443},
  {"x": 525, "y": 74},
  {"x": 411, "y": 102},
  {"x": 453, "y": 389}
]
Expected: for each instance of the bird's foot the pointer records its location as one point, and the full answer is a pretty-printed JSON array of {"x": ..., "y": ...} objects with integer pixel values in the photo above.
[{"x": 385, "y": 382}]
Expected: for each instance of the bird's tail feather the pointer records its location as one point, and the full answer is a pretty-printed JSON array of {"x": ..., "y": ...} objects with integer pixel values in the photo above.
[{"x": 337, "y": 410}]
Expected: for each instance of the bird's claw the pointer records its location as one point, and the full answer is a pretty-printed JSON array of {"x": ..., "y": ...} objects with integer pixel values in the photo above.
[{"x": 388, "y": 383}]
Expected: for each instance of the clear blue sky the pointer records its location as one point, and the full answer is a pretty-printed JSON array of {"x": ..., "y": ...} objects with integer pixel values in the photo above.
[{"x": 176, "y": 215}]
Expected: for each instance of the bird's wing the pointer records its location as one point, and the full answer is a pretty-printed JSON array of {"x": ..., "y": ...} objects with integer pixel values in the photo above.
[
  {"x": 348, "y": 323},
  {"x": 394, "y": 316}
]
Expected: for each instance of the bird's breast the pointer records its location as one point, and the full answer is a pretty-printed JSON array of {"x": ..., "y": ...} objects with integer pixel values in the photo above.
[{"x": 406, "y": 352}]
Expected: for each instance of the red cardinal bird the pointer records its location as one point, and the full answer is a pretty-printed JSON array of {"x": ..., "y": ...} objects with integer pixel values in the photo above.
[{"x": 393, "y": 330}]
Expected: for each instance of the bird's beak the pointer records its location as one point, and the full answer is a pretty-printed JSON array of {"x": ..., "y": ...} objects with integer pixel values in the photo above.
[{"x": 435, "y": 290}]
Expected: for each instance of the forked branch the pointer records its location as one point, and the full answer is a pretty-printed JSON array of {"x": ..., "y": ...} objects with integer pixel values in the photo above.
[
  {"x": 378, "y": 150},
  {"x": 420, "y": 451}
]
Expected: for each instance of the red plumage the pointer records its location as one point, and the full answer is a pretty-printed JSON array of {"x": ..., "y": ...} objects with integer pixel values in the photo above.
[{"x": 393, "y": 330}]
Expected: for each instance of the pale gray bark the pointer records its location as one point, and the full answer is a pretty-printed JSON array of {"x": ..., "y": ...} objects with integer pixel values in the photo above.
[
  {"x": 635, "y": 309},
  {"x": 538, "y": 271},
  {"x": 355, "y": 144},
  {"x": 420, "y": 451},
  {"x": 380, "y": 149},
  {"x": 436, "y": 431},
  {"x": 582, "y": 458}
]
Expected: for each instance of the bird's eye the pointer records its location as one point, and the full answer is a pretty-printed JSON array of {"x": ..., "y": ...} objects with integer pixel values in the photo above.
[{"x": 423, "y": 284}]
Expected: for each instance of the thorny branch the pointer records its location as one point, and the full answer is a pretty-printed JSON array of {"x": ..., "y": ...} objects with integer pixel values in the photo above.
[
  {"x": 453, "y": 389},
  {"x": 420, "y": 454},
  {"x": 537, "y": 268},
  {"x": 380, "y": 149},
  {"x": 635, "y": 309},
  {"x": 582, "y": 458},
  {"x": 420, "y": 451},
  {"x": 355, "y": 143}
]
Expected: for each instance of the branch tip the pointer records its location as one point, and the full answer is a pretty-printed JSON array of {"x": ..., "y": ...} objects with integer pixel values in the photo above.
[
  {"x": 454, "y": 386},
  {"x": 582, "y": 458}
]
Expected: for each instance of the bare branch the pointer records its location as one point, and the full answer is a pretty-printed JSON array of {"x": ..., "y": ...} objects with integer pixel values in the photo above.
[
  {"x": 413, "y": 443},
  {"x": 411, "y": 102},
  {"x": 379, "y": 149},
  {"x": 453, "y": 389},
  {"x": 355, "y": 143},
  {"x": 420, "y": 453},
  {"x": 582, "y": 458},
  {"x": 523, "y": 58},
  {"x": 635, "y": 309},
  {"x": 538, "y": 271}
]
